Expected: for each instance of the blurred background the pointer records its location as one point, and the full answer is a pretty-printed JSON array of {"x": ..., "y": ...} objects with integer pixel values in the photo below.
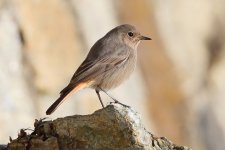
[{"x": 178, "y": 86}]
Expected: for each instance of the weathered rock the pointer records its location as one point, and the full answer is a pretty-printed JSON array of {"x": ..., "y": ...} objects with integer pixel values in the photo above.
[
  {"x": 3, "y": 147},
  {"x": 114, "y": 127}
]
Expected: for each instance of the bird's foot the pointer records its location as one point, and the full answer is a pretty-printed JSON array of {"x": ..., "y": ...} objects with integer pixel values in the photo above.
[{"x": 117, "y": 102}]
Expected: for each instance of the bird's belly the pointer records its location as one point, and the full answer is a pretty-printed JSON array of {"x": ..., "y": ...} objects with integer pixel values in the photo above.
[{"x": 117, "y": 75}]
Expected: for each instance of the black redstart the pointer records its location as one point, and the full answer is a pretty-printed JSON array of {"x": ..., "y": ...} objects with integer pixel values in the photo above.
[{"x": 110, "y": 61}]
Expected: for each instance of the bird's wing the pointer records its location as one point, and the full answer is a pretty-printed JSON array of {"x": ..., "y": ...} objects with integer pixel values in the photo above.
[{"x": 100, "y": 65}]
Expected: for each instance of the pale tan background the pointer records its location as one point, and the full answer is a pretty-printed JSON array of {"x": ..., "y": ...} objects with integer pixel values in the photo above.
[{"x": 178, "y": 87}]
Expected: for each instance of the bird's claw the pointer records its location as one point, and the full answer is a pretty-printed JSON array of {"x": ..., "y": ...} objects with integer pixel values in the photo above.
[{"x": 117, "y": 102}]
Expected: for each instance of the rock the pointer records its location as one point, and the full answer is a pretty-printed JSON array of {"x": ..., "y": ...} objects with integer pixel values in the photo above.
[
  {"x": 3, "y": 147},
  {"x": 114, "y": 127}
]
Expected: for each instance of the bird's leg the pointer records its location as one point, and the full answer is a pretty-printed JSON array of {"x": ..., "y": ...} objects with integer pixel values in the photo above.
[
  {"x": 116, "y": 101},
  {"x": 99, "y": 97}
]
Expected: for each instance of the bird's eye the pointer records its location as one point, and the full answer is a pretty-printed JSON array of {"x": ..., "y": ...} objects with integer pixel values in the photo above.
[{"x": 130, "y": 34}]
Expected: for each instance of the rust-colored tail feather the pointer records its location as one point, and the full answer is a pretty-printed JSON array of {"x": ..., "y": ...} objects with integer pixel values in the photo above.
[
  {"x": 62, "y": 96},
  {"x": 64, "y": 93},
  {"x": 56, "y": 104}
]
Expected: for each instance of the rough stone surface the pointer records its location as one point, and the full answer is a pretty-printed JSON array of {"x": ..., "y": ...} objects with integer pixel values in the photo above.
[
  {"x": 3, "y": 147},
  {"x": 114, "y": 127}
]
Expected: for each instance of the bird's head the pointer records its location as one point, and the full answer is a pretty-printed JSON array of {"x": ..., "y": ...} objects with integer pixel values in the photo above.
[{"x": 128, "y": 35}]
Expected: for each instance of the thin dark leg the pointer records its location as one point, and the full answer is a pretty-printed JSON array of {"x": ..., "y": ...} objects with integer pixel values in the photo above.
[
  {"x": 116, "y": 101},
  {"x": 99, "y": 97}
]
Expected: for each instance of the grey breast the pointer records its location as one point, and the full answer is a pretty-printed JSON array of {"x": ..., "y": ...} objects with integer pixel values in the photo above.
[{"x": 119, "y": 72}]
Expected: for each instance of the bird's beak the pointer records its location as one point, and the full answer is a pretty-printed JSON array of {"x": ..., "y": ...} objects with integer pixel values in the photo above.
[{"x": 144, "y": 38}]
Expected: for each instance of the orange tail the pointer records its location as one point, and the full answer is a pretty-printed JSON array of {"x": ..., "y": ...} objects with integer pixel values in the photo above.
[
  {"x": 63, "y": 94},
  {"x": 56, "y": 104}
]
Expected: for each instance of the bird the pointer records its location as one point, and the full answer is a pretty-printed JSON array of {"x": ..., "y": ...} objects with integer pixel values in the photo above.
[{"x": 110, "y": 61}]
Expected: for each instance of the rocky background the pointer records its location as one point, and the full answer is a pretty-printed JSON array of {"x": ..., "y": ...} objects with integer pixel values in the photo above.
[{"x": 178, "y": 87}]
